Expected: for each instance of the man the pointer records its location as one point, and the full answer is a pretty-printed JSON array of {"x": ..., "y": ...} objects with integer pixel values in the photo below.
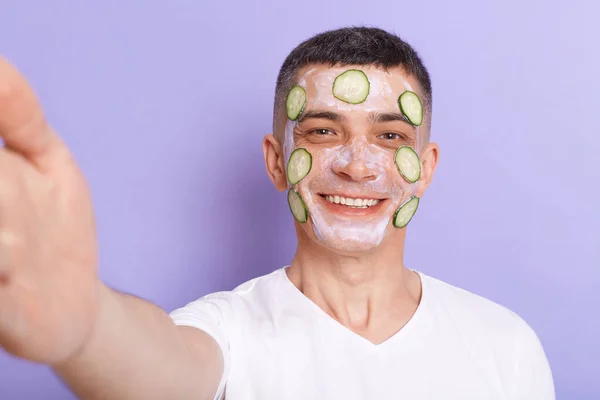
[{"x": 345, "y": 320}]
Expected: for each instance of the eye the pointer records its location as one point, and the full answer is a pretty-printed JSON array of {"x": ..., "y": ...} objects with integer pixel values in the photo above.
[
  {"x": 322, "y": 132},
  {"x": 391, "y": 136}
]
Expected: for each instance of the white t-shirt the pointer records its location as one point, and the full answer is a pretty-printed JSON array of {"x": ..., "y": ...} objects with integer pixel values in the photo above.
[{"x": 277, "y": 344}]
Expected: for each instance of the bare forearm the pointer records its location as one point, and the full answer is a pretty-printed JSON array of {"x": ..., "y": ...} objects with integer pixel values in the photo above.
[{"x": 135, "y": 352}]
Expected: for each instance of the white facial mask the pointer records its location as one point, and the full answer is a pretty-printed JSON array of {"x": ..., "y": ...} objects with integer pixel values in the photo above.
[{"x": 342, "y": 232}]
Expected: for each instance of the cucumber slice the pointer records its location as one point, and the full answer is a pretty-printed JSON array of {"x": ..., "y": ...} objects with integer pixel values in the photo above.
[
  {"x": 411, "y": 107},
  {"x": 406, "y": 211},
  {"x": 408, "y": 163},
  {"x": 295, "y": 102},
  {"x": 297, "y": 206},
  {"x": 299, "y": 165},
  {"x": 351, "y": 86}
]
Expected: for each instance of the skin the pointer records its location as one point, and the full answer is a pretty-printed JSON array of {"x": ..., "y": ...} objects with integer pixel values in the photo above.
[
  {"x": 350, "y": 261},
  {"x": 55, "y": 310},
  {"x": 53, "y": 307}
]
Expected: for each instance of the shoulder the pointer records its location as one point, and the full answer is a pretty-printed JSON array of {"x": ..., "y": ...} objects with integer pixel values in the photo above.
[
  {"x": 223, "y": 305},
  {"x": 471, "y": 309},
  {"x": 494, "y": 333}
]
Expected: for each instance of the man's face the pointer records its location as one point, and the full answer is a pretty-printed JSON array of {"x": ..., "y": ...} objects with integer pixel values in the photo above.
[{"x": 352, "y": 148}]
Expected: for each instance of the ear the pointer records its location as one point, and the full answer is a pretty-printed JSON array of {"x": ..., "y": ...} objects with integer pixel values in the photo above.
[
  {"x": 429, "y": 161},
  {"x": 274, "y": 162}
]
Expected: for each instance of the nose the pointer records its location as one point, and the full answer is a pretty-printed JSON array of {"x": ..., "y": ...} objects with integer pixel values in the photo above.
[{"x": 355, "y": 165}]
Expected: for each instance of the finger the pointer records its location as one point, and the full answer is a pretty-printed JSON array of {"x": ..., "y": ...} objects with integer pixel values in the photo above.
[
  {"x": 22, "y": 124},
  {"x": 11, "y": 168},
  {"x": 7, "y": 240}
]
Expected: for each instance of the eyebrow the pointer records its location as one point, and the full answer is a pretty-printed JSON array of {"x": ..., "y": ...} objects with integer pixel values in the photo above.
[
  {"x": 321, "y": 114},
  {"x": 377, "y": 117}
]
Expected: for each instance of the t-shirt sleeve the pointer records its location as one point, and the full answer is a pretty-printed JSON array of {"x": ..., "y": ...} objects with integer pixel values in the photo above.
[
  {"x": 533, "y": 374},
  {"x": 211, "y": 314}
]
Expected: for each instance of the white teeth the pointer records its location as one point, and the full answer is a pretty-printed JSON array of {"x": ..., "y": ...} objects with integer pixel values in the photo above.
[{"x": 358, "y": 203}]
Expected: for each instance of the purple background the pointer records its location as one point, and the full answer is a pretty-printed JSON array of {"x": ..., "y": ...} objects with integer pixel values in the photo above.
[{"x": 165, "y": 103}]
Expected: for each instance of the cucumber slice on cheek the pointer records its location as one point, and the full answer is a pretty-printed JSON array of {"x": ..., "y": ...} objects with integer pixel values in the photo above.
[
  {"x": 406, "y": 211},
  {"x": 300, "y": 162},
  {"x": 297, "y": 206},
  {"x": 409, "y": 166},
  {"x": 299, "y": 165},
  {"x": 411, "y": 107},
  {"x": 295, "y": 102},
  {"x": 351, "y": 86},
  {"x": 408, "y": 163}
]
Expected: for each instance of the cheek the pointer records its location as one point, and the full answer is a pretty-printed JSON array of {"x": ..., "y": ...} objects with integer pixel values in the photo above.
[
  {"x": 328, "y": 162},
  {"x": 327, "y": 158},
  {"x": 288, "y": 139}
]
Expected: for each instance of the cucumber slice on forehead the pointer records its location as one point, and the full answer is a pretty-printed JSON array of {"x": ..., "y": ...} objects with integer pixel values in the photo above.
[
  {"x": 406, "y": 211},
  {"x": 351, "y": 86},
  {"x": 295, "y": 102},
  {"x": 411, "y": 107},
  {"x": 408, "y": 163},
  {"x": 299, "y": 165},
  {"x": 297, "y": 206}
]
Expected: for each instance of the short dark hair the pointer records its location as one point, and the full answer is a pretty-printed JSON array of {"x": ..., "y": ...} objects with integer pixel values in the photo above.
[{"x": 350, "y": 46}]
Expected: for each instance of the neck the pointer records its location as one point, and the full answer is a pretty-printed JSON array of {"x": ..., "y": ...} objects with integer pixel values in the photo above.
[{"x": 361, "y": 291}]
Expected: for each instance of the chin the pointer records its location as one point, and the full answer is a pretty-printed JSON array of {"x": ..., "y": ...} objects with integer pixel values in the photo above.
[
  {"x": 350, "y": 247},
  {"x": 351, "y": 241}
]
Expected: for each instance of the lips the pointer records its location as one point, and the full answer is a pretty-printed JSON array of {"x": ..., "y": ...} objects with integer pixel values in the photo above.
[
  {"x": 351, "y": 206},
  {"x": 351, "y": 201}
]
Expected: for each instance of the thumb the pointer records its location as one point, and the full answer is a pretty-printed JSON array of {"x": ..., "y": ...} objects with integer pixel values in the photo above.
[{"x": 22, "y": 124}]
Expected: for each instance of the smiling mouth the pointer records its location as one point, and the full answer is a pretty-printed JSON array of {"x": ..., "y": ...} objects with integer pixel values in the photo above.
[{"x": 351, "y": 202}]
